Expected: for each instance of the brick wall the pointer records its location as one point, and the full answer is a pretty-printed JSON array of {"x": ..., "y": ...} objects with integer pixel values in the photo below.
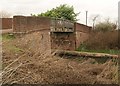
[
  {"x": 29, "y": 23},
  {"x": 57, "y": 40},
  {"x": 63, "y": 41},
  {"x": 82, "y": 33},
  {"x": 39, "y": 40},
  {"x": 80, "y": 38},
  {"x": 6, "y": 23},
  {"x": 82, "y": 28}
]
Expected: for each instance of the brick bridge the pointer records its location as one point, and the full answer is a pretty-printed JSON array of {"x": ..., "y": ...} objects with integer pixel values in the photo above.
[{"x": 58, "y": 33}]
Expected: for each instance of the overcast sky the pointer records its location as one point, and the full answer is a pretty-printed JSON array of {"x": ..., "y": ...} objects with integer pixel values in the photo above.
[{"x": 105, "y": 8}]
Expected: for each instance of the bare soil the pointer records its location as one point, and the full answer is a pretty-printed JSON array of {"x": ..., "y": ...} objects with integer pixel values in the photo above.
[{"x": 28, "y": 66}]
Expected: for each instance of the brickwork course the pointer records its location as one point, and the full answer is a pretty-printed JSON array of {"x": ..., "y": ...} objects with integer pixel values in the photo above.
[{"x": 6, "y": 23}]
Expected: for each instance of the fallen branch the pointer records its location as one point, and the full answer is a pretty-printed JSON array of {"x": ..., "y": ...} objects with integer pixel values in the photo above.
[{"x": 84, "y": 54}]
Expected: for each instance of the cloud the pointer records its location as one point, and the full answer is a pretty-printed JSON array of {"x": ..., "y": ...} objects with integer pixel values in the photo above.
[{"x": 26, "y": 7}]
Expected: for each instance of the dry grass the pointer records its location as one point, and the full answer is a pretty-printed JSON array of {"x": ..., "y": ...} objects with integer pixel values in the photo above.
[
  {"x": 30, "y": 66},
  {"x": 103, "y": 40}
]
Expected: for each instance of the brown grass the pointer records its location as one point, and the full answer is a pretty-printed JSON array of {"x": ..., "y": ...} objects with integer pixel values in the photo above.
[
  {"x": 103, "y": 40},
  {"x": 30, "y": 66}
]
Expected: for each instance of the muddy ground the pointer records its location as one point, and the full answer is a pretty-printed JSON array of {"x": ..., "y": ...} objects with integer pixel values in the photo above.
[{"x": 24, "y": 64}]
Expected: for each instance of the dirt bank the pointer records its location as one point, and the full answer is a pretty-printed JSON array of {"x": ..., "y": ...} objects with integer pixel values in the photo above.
[{"x": 22, "y": 65}]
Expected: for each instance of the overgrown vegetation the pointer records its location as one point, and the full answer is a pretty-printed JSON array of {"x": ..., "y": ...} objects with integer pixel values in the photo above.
[
  {"x": 112, "y": 51},
  {"x": 7, "y": 37},
  {"x": 10, "y": 46},
  {"x": 103, "y": 39},
  {"x": 90, "y": 48},
  {"x": 43, "y": 68},
  {"x": 105, "y": 26},
  {"x": 14, "y": 49},
  {"x": 63, "y": 12}
]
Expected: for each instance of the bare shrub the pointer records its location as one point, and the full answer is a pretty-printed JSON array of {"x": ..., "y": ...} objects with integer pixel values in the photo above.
[
  {"x": 107, "y": 25},
  {"x": 103, "y": 40}
]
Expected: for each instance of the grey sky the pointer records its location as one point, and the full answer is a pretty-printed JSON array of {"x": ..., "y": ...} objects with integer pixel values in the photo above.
[{"x": 105, "y": 8}]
